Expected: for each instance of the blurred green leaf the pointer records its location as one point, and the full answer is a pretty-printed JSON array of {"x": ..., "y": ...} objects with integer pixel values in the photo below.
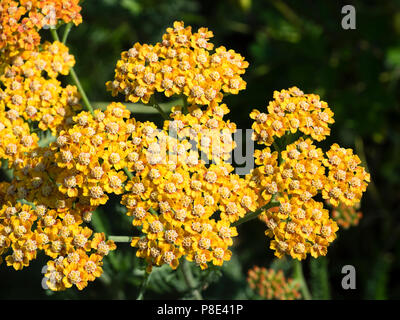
[
  {"x": 320, "y": 287},
  {"x": 132, "y": 5},
  {"x": 393, "y": 57}
]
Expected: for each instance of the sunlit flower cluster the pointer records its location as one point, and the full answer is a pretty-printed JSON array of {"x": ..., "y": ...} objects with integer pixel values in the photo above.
[
  {"x": 347, "y": 180},
  {"x": 186, "y": 207},
  {"x": 37, "y": 213},
  {"x": 272, "y": 285},
  {"x": 20, "y": 21},
  {"x": 205, "y": 129},
  {"x": 16, "y": 137},
  {"x": 183, "y": 63},
  {"x": 79, "y": 266},
  {"x": 32, "y": 92},
  {"x": 93, "y": 152},
  {"x": 176, "y": 183},
  {"x": 289, "y": 112},
  {"x": 289, "y": 181},
  {"x": 299, "y": 229}
]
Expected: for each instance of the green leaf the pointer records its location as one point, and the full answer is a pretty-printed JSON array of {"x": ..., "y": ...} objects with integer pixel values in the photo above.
[
  {"x": 46, "y": 140},
  {"x": 393, "y": 56},
  {"x": 379, "y": 277},
  {"x": 245, "y": 5},
  {"x": 320, "y": 287},
  {"x": 132, "y": 5},
  {"x": 164, "y": 280},
  {"x": 99, "y": 223},
  {"x": 283, "y": 264},
  {"x": 233, "y": 268}
]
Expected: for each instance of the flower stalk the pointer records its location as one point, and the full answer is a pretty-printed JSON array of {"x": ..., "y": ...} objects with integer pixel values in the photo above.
[
  {"x": 66, "y": 32},
  {"x": 255, "y": 214},
  {"x": 161, "y": 111},
  {"x": 190, "y": 282},
  {"x": 120, "y": 238},
  {"x": 143, "y": 287},
  {"x": 299, "y": 276},
  {"x": 128, "y": 173},
  {"x": 75, "y": 79}
]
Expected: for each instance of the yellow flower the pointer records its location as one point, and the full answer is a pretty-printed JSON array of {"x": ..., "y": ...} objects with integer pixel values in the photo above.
[
  {"x": 96, "y": 194},
  {"x": 115, "y": 182},
  {"x": 69, "y": 182},
  {"x": 100, "y": 244},
  {"x": 181, "y": 63}
]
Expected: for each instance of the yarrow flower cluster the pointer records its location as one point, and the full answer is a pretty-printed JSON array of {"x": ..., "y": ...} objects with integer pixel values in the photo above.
[
  {"x": 32, "y": 92},
  {"x": 20, "y": 21},
  {"x": 36, "y": 213},
  {"x": 76, "y": 251},
  {"x": 175, "y": 198},
  {"x": 176, "y": 182},
  {"x": 183, "y": 63},
  {"x": 272, "y": 285},
  {"x": 289, "y": 112},
  {"x": 289, "y": 181}
]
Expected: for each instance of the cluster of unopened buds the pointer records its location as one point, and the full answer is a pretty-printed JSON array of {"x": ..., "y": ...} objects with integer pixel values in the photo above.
[
  {"x": 347, "y": 216},
  {"x": 270, "y": 284},
  {"x": 186, "y": 206}
]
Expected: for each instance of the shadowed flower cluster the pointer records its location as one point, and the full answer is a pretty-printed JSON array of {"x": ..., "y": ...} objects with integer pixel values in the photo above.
[{"x": 272, "y": 285}]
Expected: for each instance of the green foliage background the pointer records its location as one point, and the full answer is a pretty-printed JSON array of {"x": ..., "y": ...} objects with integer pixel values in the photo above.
[{"x": 287, "y": 43}]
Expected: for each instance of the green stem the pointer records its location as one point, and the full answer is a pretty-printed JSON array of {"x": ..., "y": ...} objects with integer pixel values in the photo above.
[
  {"x": 255, "y": 214},
  {"x": 120, "y": 238},
  {"x": 85, "y": 99},
  {"x": 154, "y": 212},
  {"x": 128, "y": 173},
  {"x": 54, "y": 34},
  {"x": 143, "y": 287},
  {"x": 66, "y": 32},
  {"x": 319, "y": 279},
  {"x": 23, "y": 201},
  {"x": 276, "y": 147},
  {"x": 185, "y": 105},
  {"x": 288, "y": 13},
  {"x": 46, "y": 141},
  {"x": 7, "y": 172},
  {"x": 161, "y": 111},
  {"x": 75, "y": 79},
  {"x": 155, "y": 105},
  {"x": 190, "y": 282},
  {"x": 299, "y": 276}
]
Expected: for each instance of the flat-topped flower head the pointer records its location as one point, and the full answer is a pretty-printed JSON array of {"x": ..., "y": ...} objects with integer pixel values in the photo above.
[{"x": 183, "y": 63}]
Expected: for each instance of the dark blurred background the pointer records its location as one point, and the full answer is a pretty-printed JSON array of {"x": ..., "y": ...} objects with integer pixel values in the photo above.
[{"x": 287, "y": 43}]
